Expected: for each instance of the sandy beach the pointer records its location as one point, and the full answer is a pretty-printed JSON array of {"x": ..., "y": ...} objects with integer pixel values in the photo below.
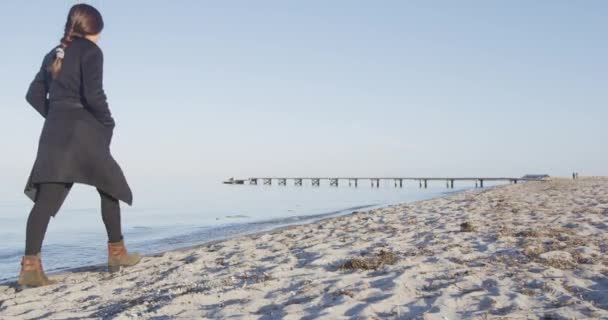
[{"x": 536, "y": 250}]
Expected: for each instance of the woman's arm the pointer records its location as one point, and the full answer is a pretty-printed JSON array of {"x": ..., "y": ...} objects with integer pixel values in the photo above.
[
  {"x": 37, "y": 93},
  {"x": 92, "y": 82}
]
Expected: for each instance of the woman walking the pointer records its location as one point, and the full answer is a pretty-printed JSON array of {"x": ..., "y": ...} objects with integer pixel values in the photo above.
[{"x": 74, "y": 145}]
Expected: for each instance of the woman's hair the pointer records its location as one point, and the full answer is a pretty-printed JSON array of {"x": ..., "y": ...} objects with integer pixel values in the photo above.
[{"x": 83, "y": 20}]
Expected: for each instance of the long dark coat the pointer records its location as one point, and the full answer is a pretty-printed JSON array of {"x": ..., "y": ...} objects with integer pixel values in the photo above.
[{"x": 74, "y": 145}]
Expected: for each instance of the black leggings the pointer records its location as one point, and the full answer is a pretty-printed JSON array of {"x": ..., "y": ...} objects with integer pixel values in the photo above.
[{"x": 49, "y": 199}]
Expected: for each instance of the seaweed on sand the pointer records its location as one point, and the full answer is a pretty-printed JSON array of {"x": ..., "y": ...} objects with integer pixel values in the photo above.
[{"x": 370, "y": 263}]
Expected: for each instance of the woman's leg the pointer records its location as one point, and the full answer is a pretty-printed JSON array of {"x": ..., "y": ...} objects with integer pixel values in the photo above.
[
  {"x": 49, "y": 199},
  {"x": 110, "y": 213},
  {"x": 118, "y": 256}
]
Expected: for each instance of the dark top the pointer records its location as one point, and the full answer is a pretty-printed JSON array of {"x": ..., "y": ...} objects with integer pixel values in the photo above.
[
  {"x": 75, "y": 140},
  {"x": 80, "y": 81}
]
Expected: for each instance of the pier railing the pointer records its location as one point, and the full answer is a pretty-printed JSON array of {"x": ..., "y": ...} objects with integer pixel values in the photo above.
[{"x": 375, "y": 181}]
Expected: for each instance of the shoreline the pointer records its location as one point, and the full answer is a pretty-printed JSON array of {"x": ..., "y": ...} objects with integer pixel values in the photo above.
[
  {"x": 279, "y": 228},
  {"x": 525, "y": 251},
  {"x": 310, "y": 219}
]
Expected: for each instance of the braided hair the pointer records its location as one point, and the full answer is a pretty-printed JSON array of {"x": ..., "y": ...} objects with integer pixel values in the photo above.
[{"x": 83, "y": 20}]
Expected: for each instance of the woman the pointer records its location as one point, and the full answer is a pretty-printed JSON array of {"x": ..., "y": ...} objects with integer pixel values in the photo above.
[{"x": 74, "y": 144}]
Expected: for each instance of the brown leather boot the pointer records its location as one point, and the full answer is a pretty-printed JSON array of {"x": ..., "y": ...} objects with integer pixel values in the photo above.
[
  {"x": 32, "y": 274},
  {"x": 118, "y": 257}
]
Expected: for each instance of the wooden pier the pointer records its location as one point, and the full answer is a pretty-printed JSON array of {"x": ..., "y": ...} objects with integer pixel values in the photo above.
[{"x": 375, "y": 182}]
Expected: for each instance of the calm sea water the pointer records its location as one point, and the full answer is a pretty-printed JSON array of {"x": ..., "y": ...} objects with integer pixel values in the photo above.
[{"x": 174, "y": 218}]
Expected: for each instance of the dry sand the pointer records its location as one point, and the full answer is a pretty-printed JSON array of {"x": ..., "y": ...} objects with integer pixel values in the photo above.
[{"x": 526, "y": 251}]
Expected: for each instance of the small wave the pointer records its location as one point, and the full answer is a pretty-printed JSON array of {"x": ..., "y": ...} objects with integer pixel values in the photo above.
[
  {"x": 238, "y": 216},
  {"x": 10, "y": 254},
  {"x": 313, "y": 217}
]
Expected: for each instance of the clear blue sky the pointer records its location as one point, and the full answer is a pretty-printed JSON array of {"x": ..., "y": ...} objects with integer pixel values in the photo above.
[{"x": 212, "y": 89}]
